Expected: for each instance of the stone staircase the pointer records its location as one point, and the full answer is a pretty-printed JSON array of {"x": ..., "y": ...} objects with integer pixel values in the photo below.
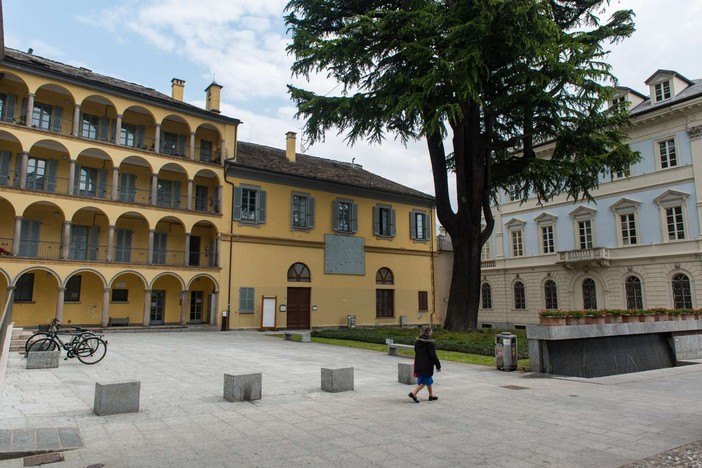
[{"x": 18, "y": 338}]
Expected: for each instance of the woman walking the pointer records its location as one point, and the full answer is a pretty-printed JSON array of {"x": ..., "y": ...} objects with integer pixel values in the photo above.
[{"x": 424, "y": 362}]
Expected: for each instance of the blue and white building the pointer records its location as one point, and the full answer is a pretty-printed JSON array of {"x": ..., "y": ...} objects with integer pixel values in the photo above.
[{"x": 638, "y": 245}]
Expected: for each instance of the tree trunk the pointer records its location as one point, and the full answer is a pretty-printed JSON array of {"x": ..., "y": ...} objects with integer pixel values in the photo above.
[{"x": 464, "y": 296}]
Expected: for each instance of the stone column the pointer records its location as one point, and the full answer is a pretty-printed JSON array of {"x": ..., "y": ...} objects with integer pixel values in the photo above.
[
  {"x": 214, "y": 308},
  {"x": 17, "y": 235},
  {"x": 221, "y": 152},
  {"x": 154, "y": 188},
  {"x": 115, "y": 183},
  {"x": 147, "y": 307},
  {"x": 30, "y": 109},
  {"x": 105, "y": 317},
  {"x": 118, "y": 130},
  {"x": 65, "y": 239},
  {"x": 110, "y": 242},
  {"x": 23, "y": 169},
  {"x": 192, "y": 146},
  {"x": 187, "y": 249},
  {"x": 76, "y": 120},
  {"x": 150, "y": 260},
  {"x": 695, "y": 134},
  {"x": 59, "y": 304},
  {"x": 189, "y": 204},
  {"x": 157, "y": 139},
  {"x": 71, "y": 176},
  {"x": 184, "y": 307}
]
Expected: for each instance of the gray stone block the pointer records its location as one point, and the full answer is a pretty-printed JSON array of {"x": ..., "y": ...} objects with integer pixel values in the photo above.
[
  {"x": 245, "y": 387},
  {"x": 405, "y": 373},
  {"x": 116, "y": 398},
  {"x": 337, "y": 380},
  {"x": 43, "y": 359}
]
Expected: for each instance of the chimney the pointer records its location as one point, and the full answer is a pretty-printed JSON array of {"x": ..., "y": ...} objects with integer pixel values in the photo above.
[
  {"x": 212, "y": 97},
  {"x": 177, "y": 87},
  {"x": 290, "y": 143}
]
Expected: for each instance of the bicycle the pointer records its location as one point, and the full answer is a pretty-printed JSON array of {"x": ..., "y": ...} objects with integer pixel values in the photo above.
[
  {"x": 89, "y": 348},
  {"x": 54, "y": 328}
]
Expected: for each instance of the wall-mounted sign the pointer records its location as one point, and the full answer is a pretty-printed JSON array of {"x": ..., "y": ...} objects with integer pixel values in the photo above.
[
  {"x": 314, "y": 308},
  {"x": 283, "y": 308}
]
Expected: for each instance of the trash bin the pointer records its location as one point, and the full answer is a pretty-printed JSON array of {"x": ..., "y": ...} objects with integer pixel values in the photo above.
[
  {"x": 225, "y": 321},
  {"x": 506, "y": 351},
  {"x": 351, "y": 321}
]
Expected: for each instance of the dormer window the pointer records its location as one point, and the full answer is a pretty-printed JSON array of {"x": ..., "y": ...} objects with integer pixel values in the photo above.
[
  {"x": 618, "y": 101},
  {"x": 662, "y": 91}
]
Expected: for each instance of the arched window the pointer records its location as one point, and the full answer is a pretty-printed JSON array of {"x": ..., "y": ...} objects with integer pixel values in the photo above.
[
  {"x": 551, "y": 294},
  {"x": 682, "y": 294},
  {"x": 519, "y": 295},
  {"x": 486, "y": 294},
  {"x": 384, "y": 276},
  {"x": 589, "y": 294},
  {"x": 299, "y": 273},
  {"x": 634, "y": 295}
]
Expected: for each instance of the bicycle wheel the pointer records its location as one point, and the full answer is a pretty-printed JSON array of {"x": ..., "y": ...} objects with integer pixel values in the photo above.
[
  {"x": 91, "y": 350},
  {"x": 44, "y": 344},
  {"x": 35, "y": 337}
]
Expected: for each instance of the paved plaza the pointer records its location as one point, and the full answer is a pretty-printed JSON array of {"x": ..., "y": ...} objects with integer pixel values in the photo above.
[{"x": 484, "y": 417}]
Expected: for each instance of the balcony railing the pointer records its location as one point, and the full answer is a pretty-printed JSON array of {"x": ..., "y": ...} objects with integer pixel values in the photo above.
[
  {"x": 596, "y": 255},
  {"x": 487, "y": 264},
  {"x": 39, "y": 249}
]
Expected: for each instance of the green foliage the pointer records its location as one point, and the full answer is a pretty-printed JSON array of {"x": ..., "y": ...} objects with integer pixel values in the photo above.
[{"x": 475, "y": 342}]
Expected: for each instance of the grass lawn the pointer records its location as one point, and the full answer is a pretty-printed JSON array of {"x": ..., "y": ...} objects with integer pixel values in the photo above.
[{"x": 523, "y": 364}]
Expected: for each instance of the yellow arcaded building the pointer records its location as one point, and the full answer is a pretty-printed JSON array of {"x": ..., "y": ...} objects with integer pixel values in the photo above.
[{"x": 118, "y": 202}]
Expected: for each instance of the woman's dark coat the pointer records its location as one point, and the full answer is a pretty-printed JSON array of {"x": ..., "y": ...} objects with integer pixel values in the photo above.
[{"x": 425, "y": 356}]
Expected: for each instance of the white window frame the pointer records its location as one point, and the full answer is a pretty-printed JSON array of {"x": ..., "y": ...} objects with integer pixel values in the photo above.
[
  {"x": 517, "y": 246},
  {"x": 626, "y": 207},
  {"x": 659, "y": 90},
  {"x": 259, "y": 205},
  {"x": 307, "y": 221},
  {"x": 415, "y": 215},
  {"x": 486, "y": 251},
  {"x": 580, "y": 215},
  {"x": 670, "y": 200},
  {"x": 514, "y": 295},
  {"x": 547, "y": 221},
  {"x": 665, "y": 164}
]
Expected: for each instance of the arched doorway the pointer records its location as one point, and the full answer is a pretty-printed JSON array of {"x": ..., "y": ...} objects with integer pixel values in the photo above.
[{"x": 298, "y": 307}]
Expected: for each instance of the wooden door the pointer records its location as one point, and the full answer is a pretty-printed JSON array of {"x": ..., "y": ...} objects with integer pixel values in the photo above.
[{"x": 298, "y": 309}]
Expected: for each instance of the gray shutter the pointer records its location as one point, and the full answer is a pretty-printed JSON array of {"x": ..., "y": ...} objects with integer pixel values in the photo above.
[
  {"x": 237, "y": 203},
  {"x": 176, "y": 194},
  {"x": 51, "y": 171},
  {"x": 181, "y": 145},
  {"x": 354, "y": 217},
  {"x": 56, "y": 119},
  {"x": 5, "y": 157},
  {"x": 10, "y": 108},
  {"x": 94, "y": 242},
  {"x": 310, "y": 212},
  {"x": 242, "y": 298},
  {"x": 426, "y": 226},
  {"x": 104, "y": 130},
  {"x": 413, "y": 225},
  {"x": 261, "y": 206},
  {"x": 113, "y": 129},
  {"x": 162, "y": 141},
  {"x": 392, "y": 222},
  {"x": 76, "y": 180},
  {"x": 335, "y": 215},
  {"x": 23, "y": 111},
  {"x": 212, "y": 261},
  {"x": 29, "y": 238},
  {"x": 18, "y": 169},
  {"x": 102, "y": 183},
  {"x": 376, "y": 221}
]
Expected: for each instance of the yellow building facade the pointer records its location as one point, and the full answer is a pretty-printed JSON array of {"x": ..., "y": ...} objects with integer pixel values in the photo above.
[{"x": 120, "y": 202}]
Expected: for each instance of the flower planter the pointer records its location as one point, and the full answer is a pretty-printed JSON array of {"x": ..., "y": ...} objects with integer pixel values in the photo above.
[
  {"x": 675, "y": 317},
  {"x": 662, "y": 317},
  {"x": 631, "y": 318},
  {"x": 613, "y": 319},
  {"x": 552, "y": 321},
  {"x": 648, "y": 318},
  {"x": 575, "y": 320},
  {"x": 593, "y": 319}
]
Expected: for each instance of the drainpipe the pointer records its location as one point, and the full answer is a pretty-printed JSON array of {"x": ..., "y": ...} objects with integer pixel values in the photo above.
[{"x": 227, "y": 163}]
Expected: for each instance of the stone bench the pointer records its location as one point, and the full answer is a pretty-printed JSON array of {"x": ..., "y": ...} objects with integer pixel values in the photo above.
[
  {"x": 244, "y": 387},
  {"x": 43, "y": 359},
  {"x": 337, "y": 380},
  {"x": 305, "y": 336},
  {"x": 405, "y": 373},
  {"x": 116, "y": 398},
  {"x": 393, "y": 347},
  {"x": 118, "y": 322}
]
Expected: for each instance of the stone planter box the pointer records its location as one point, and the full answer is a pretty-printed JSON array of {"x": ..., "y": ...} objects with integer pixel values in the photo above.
[{"x": 552, "y": 321}]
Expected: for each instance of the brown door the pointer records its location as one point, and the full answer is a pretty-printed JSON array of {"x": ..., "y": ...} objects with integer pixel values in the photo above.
[{"x": 298, "y": 309}]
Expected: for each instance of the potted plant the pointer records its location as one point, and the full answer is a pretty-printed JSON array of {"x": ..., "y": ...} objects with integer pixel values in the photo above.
[
  {"x": 594, "y": 317},
  {"x": 648, "y": 315},
  {"x": 613, "y": 316},
  {"x": 661, "y": 314},
  {"x": 575, "y": 317},
  {"x": 632, "y": 316},
  {"x": 552, "y": 318}
]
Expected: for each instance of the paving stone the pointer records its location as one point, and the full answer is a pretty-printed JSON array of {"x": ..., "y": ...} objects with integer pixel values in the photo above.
[{"x": 44, "y": 458}]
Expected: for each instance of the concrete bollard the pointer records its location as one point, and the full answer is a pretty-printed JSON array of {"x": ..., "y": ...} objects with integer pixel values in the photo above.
[
  {"x": 245, "y": 387},
  {"x": 116, "y": 398},
  {"x": 43, "y": 359},
  {"x": 337, "y": 380},
  {"x": 405, "y": 373}
]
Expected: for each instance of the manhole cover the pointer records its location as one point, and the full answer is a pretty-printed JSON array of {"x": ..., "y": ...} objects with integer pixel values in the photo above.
[{"x": 515, "y": 387}]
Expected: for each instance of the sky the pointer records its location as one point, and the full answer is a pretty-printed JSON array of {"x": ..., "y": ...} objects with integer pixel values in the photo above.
[{"x": 241, "y": 44}]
